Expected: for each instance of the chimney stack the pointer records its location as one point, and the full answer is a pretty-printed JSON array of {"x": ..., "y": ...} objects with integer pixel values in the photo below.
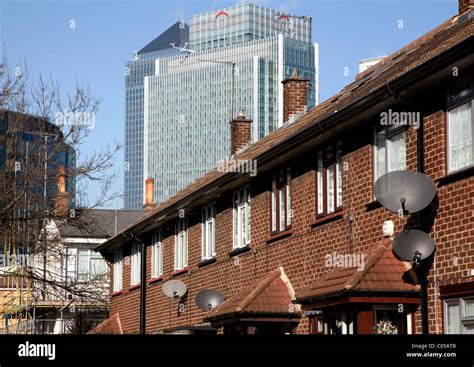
[
  {"x": 149, "y": 193},
  {"x": 241, "y": 132},
  {"x": 295, "y": 93},
  {"x": 465, "y": 5},
  {"x": 62, "y": 196}
]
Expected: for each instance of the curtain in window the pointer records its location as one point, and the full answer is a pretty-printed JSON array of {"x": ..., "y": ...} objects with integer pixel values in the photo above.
[
  {"x": 339, "y": 174},
  {"x": 469, "y": 307},
  {"x": 320, "y": 183},
  {"x": 397, "y": 155},
  {"x": 330, "y": 186},
  {"x": 83, "y": 264},
  {"x": 452, "y": 314},
  {"x": 379, "y": 154},
  {"x": 460, "y": 137},
  {"x": 274, "y": 211},
  {"x": 247, "y": 217}
]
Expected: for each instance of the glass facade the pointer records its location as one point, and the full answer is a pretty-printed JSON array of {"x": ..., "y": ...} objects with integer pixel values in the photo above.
[
  {"x": 141, "y": 65},
  {"x": 179, "y": 107},
  {"x": 245, "y": 23},
  {"x": 190, "y": 102}
]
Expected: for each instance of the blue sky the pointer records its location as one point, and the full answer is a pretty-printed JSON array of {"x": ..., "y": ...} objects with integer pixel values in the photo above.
[{"x": 107, "y": 32}]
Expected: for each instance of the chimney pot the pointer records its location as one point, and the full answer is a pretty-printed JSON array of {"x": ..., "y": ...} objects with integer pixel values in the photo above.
[
  {"x": 62, "y": 196},
  {"x": 295, "y": 96},
  {"x": 241, "y": 131},
  {"x": 149, "y": 193}
]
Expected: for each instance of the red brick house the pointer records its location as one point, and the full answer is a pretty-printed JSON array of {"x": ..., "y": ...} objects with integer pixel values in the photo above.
[{"x": 299, "y": 246}]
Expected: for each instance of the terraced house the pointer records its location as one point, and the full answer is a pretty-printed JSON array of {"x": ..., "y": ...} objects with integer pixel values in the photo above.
[{"x": 298, "y": 247}]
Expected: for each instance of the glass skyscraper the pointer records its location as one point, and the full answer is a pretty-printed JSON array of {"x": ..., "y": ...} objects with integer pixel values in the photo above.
[
  {"x": 235, "y": 60},
  {"x": 142, "y": 64}
]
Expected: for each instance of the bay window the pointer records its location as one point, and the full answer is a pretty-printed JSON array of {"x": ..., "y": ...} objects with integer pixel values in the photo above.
[
  {"x": 329, "y": 179},
  {"x": 281, "y": 201},
  {"x": 460, "y": 124},
  {"x": 208, "y": 232}
]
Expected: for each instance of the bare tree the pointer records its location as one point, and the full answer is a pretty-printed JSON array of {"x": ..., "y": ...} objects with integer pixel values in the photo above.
[{"x": 45, "y": 181}]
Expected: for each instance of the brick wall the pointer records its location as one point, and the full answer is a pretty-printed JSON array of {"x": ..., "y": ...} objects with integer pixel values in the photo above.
[
  {"x": 465, "y": 5},
  {"x": 241, "y": 130},
  {"x": 302, "y": 253},
  {"x": 295, "y": 89}
]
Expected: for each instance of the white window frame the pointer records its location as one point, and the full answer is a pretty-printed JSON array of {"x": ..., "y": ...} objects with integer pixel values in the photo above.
[
  {"x": 329, "y": 159},
  {"x": 452, "y": 104},
  {"x": 135, "y": 264},
  {"x": 181, "y": 245},
  {"x": 157, "y": 255},
  {"x": 463, "y": 319},
  {"x": 118, "y": 271},
  {"x": 208, "y": 237},
  {"x": 281, "y": 202},
  {"x": 241, "y": 217},
  {"x": 389, "y": 134},
  {"x": 91, "y": 255}
]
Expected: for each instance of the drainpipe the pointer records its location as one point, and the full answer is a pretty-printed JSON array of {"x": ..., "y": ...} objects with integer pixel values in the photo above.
[
  {"x": 142, "y": 284},
  {"x": 420, "y": 156}
]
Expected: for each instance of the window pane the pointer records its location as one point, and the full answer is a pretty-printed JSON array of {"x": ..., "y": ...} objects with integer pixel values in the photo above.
[
  {"x": 242, "y": 225},
  {"x": 185, "y": 251},
  {"x": 236, "y": 227},
  {"x": 468, "y": 329},
  {"x": 274, "y": 203},
  {"x": 288, "y": 197},
  {"x": 281, "y": 199},
  {"x": 460, "y": 137},
  {"x": 98, "y": 267},
  {"x": 330, "y": 186},
  {"x": 458, "y": 93},
  {"x": 320, "y": 183},
  {"x": 397, "y": 153},
  {"x": 469, "y": 307},
  {"x": 83, "y": 263},
  {"x": 379, "y": 154},
  {"x": 452, "y": 318},
  {"x": 339, "y": 174},
  {"x": 247, "y": 216}
]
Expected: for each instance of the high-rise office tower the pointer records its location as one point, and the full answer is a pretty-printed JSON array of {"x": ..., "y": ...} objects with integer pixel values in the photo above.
[
  {"x": 235, "y": 60},
  {"x": 142, "y": 64}
]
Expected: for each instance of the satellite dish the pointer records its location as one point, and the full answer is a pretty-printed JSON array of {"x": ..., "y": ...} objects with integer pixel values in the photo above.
[
  {"x": 174, "y": 289},
  {"x": 404, "y": 190},
  {"x": 207, "y": 299},
  {"x": 413, "y": 245}
]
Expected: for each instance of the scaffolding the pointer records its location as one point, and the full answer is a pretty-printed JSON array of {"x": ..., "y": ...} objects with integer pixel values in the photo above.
[{"x": 15, "y": 293}]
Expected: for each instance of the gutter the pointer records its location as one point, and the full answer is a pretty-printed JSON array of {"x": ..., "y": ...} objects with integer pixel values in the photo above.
[{"x": 308, "y": 300}]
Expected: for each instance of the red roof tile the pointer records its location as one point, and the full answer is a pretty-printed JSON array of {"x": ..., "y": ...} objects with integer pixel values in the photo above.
[
  {"x": 110, "y": 326},
  {"x": 273, "y": 294},
  {"x": 382, "y": 272}
]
